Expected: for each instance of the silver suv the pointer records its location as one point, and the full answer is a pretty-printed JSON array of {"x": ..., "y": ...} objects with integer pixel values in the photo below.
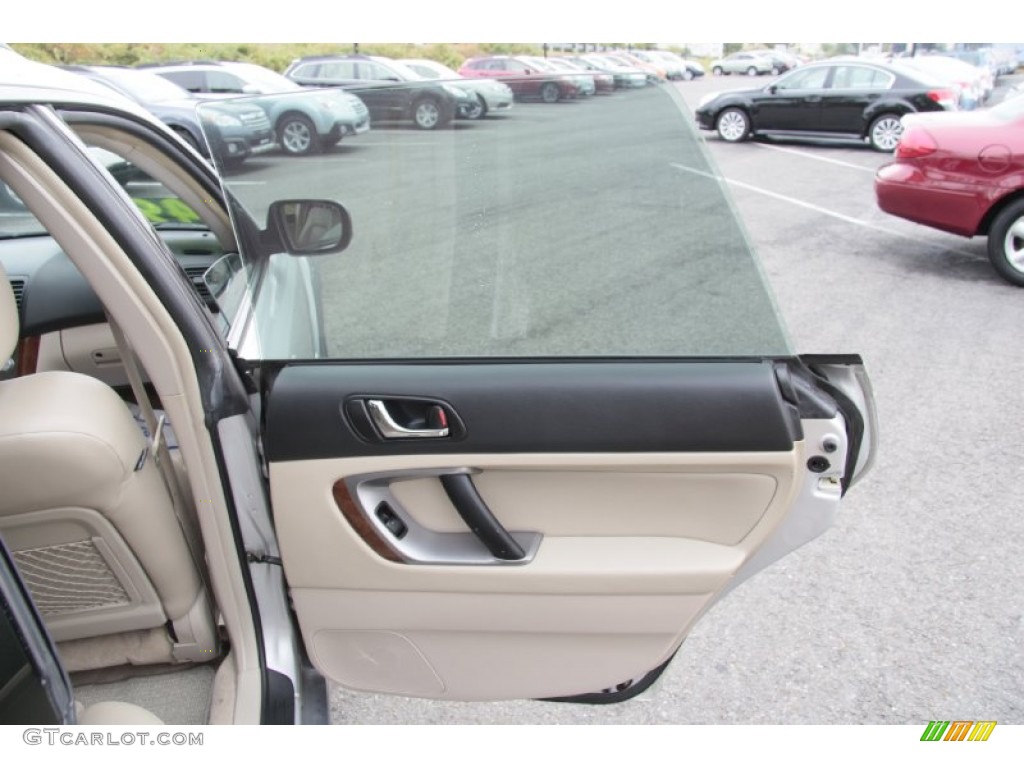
[{"x": 306, "y": 121}]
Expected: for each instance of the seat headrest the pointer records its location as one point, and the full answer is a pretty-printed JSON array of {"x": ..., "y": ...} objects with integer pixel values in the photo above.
[{"x": 8, "y": 319}]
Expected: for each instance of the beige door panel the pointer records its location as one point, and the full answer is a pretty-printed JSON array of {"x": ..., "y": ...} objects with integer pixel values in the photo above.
[
  {"x": 720, "y": 508},
  {"x": 472, "y": 646},
  {"x": 633, "y": 550}
]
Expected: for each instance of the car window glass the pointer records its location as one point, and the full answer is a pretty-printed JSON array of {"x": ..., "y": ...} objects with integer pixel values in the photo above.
[
  {"x": 852, "y": 77},
  {"x": 194, "y": 82},
  {"x": 527, "y": 239},
  {"x": 806, "y": 79},
  {"x": 375, "y": 71},
  {"x": 311, "y": 71},
  {"x": 224, "y": 82},
  {"x": 338, "y": 70},
  {"x": 159, "y": 205}
]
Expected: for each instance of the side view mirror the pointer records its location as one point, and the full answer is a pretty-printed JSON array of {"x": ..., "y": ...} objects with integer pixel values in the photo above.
[
  {"x": 772, "y": 89},
  {"x": 309, "y": 227}
]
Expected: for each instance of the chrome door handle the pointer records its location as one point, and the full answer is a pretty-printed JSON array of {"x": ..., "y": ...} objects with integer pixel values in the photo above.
[{"x": 389, "y": 428}]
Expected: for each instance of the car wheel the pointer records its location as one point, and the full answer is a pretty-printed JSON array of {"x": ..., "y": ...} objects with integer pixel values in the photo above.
[
  {"x": 1006, "y": 243},
  {"x": 479, "y": 110},
  {"x": 297, "y": 135},
  {"x": 752, "y": 71},
  {"x": 775, "y": 71},
  {"x": 716, "y": 71},
  {"x": 549, "y": 93},
  {"x": 733, "y": 125},
  {"x": 426, "y": 115},
  {"x": 687, "y": 74},
  {"x": 885, "y": 131}
]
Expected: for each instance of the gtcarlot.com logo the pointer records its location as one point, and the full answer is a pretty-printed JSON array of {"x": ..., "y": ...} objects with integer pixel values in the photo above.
[
  {"x": 85, "y": 738},
  {"x": 958, "y": 730}
]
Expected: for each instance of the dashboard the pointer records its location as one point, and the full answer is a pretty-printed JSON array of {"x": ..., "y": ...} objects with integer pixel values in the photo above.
[{"x": 60, "y": 312}]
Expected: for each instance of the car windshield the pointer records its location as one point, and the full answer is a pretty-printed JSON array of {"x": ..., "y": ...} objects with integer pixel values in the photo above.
[
  {"x": 144, "y": 86},
  {"x": 403, "y": 71},
  {"x": 559, "y": 230},
  {"x": 266, "y": 80},
  {"x": 433, "y": 70}
]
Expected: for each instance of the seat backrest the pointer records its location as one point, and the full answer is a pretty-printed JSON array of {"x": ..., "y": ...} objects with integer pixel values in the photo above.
[{"x": 89, "y": 520}]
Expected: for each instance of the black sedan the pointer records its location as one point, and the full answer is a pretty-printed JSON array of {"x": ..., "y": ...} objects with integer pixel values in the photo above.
[
  {"x": 838, "y": 99},
  {"x": 390, "y": 90}
]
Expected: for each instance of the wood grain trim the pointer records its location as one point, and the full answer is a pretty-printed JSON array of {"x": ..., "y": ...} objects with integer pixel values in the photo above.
[
  {"x": 27, "y": 356},
  {"x": 352, "y": 511}
]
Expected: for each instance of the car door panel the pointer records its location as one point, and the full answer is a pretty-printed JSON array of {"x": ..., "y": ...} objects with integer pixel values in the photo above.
[
  {"x": 645, "y": 486},
  {"x": 789, "y": 110}
]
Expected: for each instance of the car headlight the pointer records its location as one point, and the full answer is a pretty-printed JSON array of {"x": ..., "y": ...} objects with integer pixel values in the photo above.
[
  {"x": 224, "y": 121},
  {"x": 455, "y": 91}
]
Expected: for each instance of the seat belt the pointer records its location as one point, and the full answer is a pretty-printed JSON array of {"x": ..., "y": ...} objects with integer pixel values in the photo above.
[{"x": 158, "y": 447}]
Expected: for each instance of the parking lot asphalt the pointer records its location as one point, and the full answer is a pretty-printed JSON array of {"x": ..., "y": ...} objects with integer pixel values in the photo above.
[{"x": 910, "y": 609}]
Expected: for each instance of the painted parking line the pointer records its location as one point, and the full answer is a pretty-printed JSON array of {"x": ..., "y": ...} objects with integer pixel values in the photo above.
[
  {"x": 818, "y": 209},
  {"x": 819, "y": 158}
]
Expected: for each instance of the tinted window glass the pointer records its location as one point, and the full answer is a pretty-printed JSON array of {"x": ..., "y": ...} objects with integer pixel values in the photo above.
[
  {"x": 860, "y": 78},
  {"x": 338, "y": 70},
  {"x": 190, "y": 81},
  {"x": 804, "y": 79},
  {"x": 553, "y": 235},
  {"x": 224, "y": 82}
]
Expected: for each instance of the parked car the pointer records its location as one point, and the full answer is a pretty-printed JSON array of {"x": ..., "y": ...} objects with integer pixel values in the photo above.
[
  {"x": 781, "y": 61},
  {"x": 983, "y": 61},
  {"x": 970, "y": 81},
  {"x": 742, "y": 63},
  {"x": 847, "y": 99},
  {"x": 625, "y": 76},
  {"x": 241, "y": 130},
  {"x": 491, "y": 95},
  {"x": 390, "y": 90},
  {"x": 410, "y": 436},
  {"x": 604, "y": 82},
  {"x": 655, "y": 72},
  {"x": 524, "y": 78},
  {"x": 672, "y": 67},
  {"x": 306, "y": 122},
  {"x": 585, "y": 83},
  {"x": 963, "y": 173}
]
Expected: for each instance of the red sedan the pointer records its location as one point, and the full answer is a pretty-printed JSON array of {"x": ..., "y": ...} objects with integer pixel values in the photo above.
[
  {"x": 523, "y": 77},
  {"x": 963, "y": 172}
]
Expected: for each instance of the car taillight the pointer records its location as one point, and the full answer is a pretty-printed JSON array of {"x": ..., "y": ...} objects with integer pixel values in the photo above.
[
  {"x": 915, "y": 142},
  {"x": 943, "y": 97}
]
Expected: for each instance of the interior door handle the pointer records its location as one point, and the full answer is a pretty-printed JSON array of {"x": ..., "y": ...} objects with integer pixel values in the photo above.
[
  {"x": 390, "y": 428},
  {"x": 481, "y": 521}
]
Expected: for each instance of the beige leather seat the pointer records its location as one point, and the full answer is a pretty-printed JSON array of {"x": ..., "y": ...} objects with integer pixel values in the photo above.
[
  {"x": 117, "y": 713},
  {"x": 85, "y": 512}
]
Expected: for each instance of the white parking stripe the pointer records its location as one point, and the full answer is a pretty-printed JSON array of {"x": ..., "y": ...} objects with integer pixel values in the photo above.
[
  {"x": 819, "y": 209},
  {"x": 819, "y": 158}
]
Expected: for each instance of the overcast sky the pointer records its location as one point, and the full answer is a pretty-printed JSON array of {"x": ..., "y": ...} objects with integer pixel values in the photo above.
[{"x": 509, "y": 20}]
